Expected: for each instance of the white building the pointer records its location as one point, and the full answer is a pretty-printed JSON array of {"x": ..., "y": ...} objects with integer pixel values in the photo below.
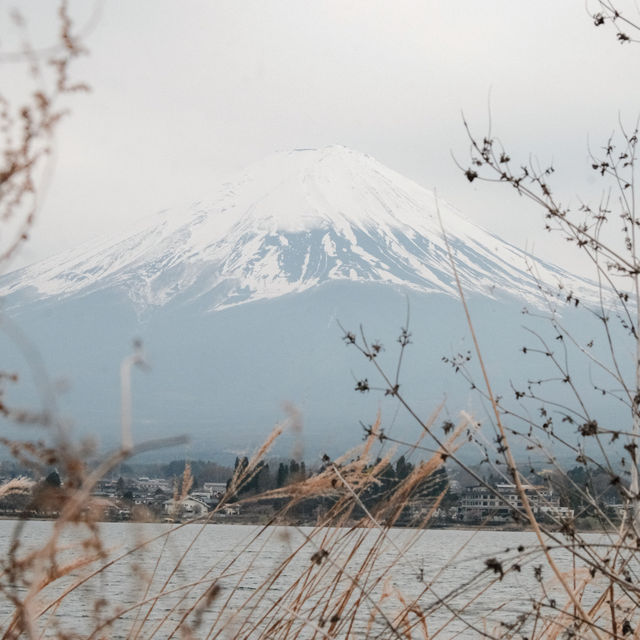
[
  {"x": 215, "y": 489},
  {"x": 480, "y": 501},
  {"x": 188, "y": 508}
]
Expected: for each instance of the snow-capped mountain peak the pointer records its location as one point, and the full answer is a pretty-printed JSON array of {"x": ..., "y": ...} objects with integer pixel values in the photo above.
[{"x": 295, "y": 220}]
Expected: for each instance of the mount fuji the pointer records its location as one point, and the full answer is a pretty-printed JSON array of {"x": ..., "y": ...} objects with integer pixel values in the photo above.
[
  {"x": 294, "y": 221},
  {"x": 236, "y": 300}
]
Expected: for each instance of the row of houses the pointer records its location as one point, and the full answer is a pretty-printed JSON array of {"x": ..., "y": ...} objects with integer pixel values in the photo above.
[
  {"x": 154, "y": 498},
  {"x": 474, "y": 503},
  {"x": 157, "y": 496}
]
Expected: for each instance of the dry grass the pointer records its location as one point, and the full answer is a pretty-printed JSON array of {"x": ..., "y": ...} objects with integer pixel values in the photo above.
[{"x": 352, "y": 575}]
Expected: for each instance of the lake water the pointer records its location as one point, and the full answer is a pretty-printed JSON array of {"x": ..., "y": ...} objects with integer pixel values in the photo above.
[{"x": 289, "y": 582}]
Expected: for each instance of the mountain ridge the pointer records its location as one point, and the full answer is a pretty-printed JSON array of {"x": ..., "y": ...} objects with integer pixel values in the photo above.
[{"x": 292, "y": 221}]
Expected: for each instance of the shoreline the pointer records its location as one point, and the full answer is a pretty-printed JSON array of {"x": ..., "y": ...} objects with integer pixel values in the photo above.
[{"x": 263, "y": 522}]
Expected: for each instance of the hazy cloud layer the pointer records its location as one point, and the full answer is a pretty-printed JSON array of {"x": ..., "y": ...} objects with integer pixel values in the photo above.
[{"x": 185, "y": 93}]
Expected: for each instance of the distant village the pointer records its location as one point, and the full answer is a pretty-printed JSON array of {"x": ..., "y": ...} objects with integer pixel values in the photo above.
[{"x": 179, "y": 492}]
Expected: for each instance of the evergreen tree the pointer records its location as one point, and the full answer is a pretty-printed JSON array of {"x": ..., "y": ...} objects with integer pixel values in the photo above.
[
  {"x": 282, "y": 477},
  {"x": 294, "y": 470},
  {"x": 403, "y": 468}
]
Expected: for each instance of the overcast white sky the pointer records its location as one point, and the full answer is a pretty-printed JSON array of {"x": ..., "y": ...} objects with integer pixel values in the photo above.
[{"x": 185, "y": 93}]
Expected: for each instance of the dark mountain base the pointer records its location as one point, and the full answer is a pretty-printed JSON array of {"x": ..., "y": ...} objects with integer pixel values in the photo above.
[{"x": 226, "y": 378}]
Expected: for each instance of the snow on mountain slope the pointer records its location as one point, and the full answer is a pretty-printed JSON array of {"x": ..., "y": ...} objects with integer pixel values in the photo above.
[{"x": 291, "y": 222}]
